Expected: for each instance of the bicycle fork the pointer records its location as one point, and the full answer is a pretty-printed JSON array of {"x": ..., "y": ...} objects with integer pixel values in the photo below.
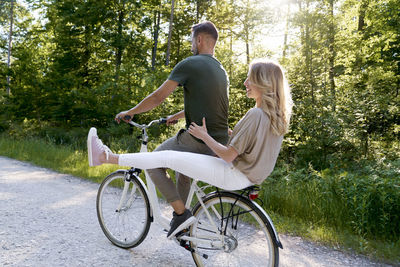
[
  {"x": 123, "y": 197},
  {"x": 125, "y": 192}
]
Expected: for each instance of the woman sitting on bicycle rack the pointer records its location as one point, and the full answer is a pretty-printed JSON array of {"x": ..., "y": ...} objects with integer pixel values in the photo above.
[{"x": 249, "y": 157}]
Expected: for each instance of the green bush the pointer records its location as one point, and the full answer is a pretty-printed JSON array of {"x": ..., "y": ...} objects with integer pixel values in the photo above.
[
  {"x": 365, "y": 198},
  {"x": 373, "y": 198}
]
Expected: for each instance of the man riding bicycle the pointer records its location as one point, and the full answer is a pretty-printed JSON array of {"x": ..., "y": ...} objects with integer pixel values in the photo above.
[{"x": 205, "y": 85}]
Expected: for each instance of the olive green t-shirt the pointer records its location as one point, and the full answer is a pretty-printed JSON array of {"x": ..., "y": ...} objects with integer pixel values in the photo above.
[
  {"x": 257, "y": 146},
  {"x": 205, "y": 86}
]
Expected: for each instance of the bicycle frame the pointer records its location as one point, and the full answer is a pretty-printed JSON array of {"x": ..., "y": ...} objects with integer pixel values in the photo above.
[
  {"x": 149, "y": 187},
  {"x": 155, "y": 211},
  {"x": 152, "y": 193}
]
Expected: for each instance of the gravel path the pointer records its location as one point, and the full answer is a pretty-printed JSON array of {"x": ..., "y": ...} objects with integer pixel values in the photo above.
[{"x": 49, "y": 219}]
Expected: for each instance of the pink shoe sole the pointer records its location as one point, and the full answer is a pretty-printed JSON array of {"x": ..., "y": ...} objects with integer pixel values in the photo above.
[{"x": 92, "y": 136}]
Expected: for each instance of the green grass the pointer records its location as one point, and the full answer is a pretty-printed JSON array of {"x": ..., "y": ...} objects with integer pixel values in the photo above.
[
  {"x": 293, "y": 194},
  {"x": 341, "y": 239},
  {"x": 60, "y": 158},
  {"x": 357, "y": 209}
]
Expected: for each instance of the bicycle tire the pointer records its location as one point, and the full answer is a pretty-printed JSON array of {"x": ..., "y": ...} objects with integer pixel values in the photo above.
[
  {"x": 129, "y": 226},
  {"x": 241, "y": 245}
]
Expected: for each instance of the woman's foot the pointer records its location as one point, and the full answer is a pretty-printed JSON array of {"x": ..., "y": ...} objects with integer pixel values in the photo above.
[{"x": 97, "y": 151}]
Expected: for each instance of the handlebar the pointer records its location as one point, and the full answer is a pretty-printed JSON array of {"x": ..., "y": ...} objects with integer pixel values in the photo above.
[{"x": 143, "y": 126}]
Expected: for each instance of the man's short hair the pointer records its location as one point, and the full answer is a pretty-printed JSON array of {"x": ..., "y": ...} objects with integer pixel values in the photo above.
[{"x": 206, "y": 27}]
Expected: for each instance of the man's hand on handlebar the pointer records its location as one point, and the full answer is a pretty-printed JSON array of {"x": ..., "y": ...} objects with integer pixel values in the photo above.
[
  {"x": 124, "y": 115},
  {"x": 171, "y": 120}
]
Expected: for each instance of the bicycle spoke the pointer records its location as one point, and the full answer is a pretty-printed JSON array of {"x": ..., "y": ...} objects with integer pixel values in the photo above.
[
  {"x": 123, "y": 211},
  {"x": 246, "y": 241}
]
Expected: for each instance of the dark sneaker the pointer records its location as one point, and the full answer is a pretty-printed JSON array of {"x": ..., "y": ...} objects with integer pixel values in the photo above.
[{"x": 180, "y": 222}]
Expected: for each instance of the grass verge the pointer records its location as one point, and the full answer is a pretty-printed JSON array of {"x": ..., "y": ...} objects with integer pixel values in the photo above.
[
  {"x": 340, "y": 239},
  {"x": 67, "y": 159},
  {"x": 60, "y": 158}
]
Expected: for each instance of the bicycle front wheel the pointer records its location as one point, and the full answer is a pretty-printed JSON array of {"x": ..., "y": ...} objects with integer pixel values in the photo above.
[
  {"x": 231, "y": 231},
  {"x": 123, "y": 210}
]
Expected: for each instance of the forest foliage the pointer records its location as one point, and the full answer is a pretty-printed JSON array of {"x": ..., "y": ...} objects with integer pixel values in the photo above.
[{"x": 75, "y": 64}]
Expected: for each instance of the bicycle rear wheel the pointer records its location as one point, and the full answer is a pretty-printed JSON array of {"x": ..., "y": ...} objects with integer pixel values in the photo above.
[
  {"x": 124, "y": 218},
  {"x": 240, "y": 234}
]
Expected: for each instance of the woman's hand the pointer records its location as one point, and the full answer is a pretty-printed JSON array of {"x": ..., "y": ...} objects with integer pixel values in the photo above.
[
  {"x": 198, "y": 131},
  {"x": 227, "y": 153}
]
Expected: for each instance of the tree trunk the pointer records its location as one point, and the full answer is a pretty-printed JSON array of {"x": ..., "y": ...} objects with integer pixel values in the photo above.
[
  {"x": 120, "y": 46},
  {"x": 86, "y": 54},
  {"x": 310, "y": 64},
  {"x": 171, "y": 21},
  {"x": 157, "y": 16},
  {"x": 247, "y": 51},
  {"x": 361, "y": 14},
  {"x": 366, "y": 144},
  {"x": 178, "y": 50},
  {"x": 9, "y": 45},
  {"x": 231, "y": 53},
  {"x": 247, "y": 32},
  {"x": 285, "y": 46},
  {"x": 197, "y": 11},
  {"x": 308, "y": 52},
  {"x": 331, "y": 40}
]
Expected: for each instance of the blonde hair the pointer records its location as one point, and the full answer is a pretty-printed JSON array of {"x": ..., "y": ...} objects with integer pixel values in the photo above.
[{"x": 269, "y": 77}]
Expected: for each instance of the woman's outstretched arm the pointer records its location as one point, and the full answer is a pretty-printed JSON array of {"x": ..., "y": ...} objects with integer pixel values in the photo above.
[{"x": 227, "y": 153}]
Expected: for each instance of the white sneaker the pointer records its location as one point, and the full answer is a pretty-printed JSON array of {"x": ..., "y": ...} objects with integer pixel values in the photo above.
[{"x": 96, "y": 148}]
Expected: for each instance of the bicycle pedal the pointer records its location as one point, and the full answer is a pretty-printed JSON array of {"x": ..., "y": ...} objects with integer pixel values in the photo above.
[{"x": 186, "y": 245}]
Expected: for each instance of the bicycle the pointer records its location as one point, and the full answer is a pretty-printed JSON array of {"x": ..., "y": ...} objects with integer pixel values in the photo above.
[{"x": 231, "y": 228}]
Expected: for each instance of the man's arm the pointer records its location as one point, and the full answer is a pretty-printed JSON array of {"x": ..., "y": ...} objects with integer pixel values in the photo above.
[
  {"x": 154, "y": 99},
  {"x": 151, "y": 101}
]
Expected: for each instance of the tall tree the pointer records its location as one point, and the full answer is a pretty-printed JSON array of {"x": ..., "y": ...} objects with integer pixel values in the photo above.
[
  {"x": 251, "y": 16},
  {"x": 119, "y": 43},
  {"x": 361, "y": 14},
  {"x": 156, "y": 30},
  {"x": 285, "y": 38},
  {"x": 372, "y": 71},
  {"x": 10, "y": 34},
  {"x": 307, "y": 33},
  {"x": 171, "y": 22},
  {"x": 332, "y": 53}
]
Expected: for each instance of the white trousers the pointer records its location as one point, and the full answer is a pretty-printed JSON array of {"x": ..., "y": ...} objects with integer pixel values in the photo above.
[{"x": 209, "y": 169}]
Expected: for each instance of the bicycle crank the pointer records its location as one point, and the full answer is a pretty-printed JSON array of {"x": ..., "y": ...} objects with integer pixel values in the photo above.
[{"x": 186, "y": 245}]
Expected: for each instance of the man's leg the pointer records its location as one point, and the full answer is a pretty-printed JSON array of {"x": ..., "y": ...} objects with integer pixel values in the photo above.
[
  {"x": 160, "y": 177},
  {"x": 182, "y": 185}
]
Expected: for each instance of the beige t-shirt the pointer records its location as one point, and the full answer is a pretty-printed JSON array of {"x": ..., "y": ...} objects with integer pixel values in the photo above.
[{"x": 257, "y": 146}]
